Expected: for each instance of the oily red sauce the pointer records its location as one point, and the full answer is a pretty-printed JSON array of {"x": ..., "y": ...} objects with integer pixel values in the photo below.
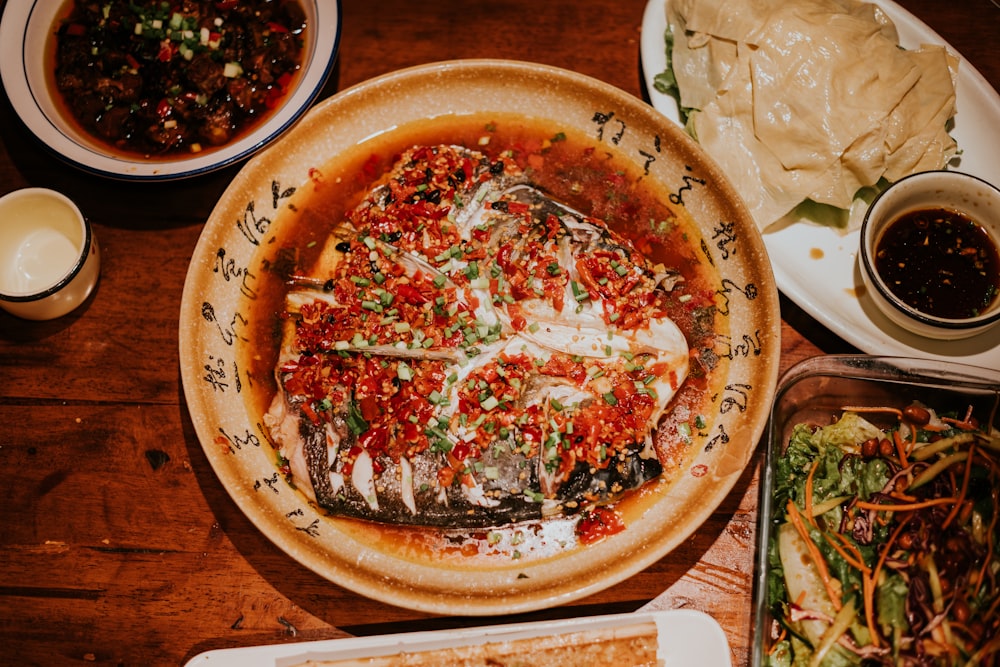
[
  {"x": 572, "y": 169},
  {"x": 597, "y": 524},
  {"x": 939, "y": 262}
]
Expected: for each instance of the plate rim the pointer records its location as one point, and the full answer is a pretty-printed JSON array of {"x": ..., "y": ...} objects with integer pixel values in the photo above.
[{"x": 516, "y": 601}]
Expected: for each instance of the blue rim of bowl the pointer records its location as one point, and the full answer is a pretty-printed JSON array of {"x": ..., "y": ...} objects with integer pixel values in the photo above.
[
  {"x": 868, "y": 267},
  {"x": 15, "y": 23}
]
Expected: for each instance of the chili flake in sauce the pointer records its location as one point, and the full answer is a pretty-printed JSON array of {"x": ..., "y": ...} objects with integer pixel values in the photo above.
[{"x": 939, "y": 262}]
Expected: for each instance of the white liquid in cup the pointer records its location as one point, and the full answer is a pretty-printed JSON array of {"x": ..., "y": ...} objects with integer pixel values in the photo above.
[
  {"x": 40, "y": 261},
  {"x": 48, "y": 259}
]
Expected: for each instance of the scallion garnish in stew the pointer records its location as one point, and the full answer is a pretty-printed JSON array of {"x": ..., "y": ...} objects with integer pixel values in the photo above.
[
  {"x": 166, "y": 78},
  {"x": 884, "y": 548}
]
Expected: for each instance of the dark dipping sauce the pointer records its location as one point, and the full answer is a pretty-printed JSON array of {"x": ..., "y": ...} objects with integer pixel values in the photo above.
[
  {"x": 939, "y": 262},
  {"x": 158, "y": 79}
]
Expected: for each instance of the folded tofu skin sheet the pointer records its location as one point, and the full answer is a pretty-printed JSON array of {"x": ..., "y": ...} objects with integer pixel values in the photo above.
[{"x": 809, "y": 99}]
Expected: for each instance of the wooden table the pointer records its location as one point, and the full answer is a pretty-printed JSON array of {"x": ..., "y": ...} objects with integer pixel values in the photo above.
[{"x": 118, "y": 544}]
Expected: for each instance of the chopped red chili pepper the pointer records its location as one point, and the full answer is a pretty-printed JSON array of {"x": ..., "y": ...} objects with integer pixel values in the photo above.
[
  {"x": 273, "y": 97},
  {"x": 163, "y": 108},
  {"x": 597, "y": 524},
  {"x": 190, "y": 43},
  {"x": 166, "y": 52}
]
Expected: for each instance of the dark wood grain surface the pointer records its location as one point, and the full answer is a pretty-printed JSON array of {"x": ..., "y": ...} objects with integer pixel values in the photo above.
[{"x": 119, "y": 546}]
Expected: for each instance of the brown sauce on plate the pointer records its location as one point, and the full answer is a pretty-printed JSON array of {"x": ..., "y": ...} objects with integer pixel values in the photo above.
[{"x": 939, "y": 262}]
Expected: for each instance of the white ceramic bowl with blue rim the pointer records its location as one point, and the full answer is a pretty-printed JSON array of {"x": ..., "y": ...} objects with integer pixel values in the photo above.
[{"x": 25, "y": 30}]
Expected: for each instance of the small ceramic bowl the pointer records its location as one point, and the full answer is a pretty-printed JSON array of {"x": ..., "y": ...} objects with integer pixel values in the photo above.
[
  {"x": 961, "y": 197},
  {"x": 26, "y": 33},
  {"x": 49, "y": 259}
]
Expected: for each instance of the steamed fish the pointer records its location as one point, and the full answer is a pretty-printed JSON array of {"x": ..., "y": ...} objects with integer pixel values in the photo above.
[{"x": 470, "y": 352}]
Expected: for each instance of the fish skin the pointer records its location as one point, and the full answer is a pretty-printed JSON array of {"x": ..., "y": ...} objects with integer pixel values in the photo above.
[
  {"x": 456, "y": 512},
  {"x": 515, "y": 476}
]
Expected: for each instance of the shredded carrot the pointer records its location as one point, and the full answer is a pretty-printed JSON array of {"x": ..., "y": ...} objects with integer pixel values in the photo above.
[
  {"x": 905, "y": 507},
  {"x": 934, "y": 427},
  {"x": 824, "y": 573},
  {"x": 868, "y": 591},
  {"x": 851, "y": 560},
  {"x": 900, "y": 447},
  {"x": 957, "y": 423},
  {"x": 864, "y": 408},
  {"x": 781, "y": 638},
  {"x": 954, "y": 484},
  {"x": 963, "y": 491},
  {"x": 855, "y": 559}
]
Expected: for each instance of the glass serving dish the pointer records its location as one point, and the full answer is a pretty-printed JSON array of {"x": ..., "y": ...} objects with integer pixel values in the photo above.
[{"x": 815, "y": 391}]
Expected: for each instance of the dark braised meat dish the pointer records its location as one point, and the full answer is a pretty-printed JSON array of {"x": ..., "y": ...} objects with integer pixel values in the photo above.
[{"x": 159, "y": 78}]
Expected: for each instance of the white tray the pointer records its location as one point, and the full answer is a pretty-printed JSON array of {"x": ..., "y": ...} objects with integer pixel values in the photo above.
[
  {"x": 816, "y": 267},
  {"x": 686, "y": 637}
]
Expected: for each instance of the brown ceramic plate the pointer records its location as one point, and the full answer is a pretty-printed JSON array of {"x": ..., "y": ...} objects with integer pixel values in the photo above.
[{"x": 737, "y": 357}]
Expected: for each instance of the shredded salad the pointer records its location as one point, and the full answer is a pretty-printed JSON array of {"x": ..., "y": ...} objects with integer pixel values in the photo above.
[{"x": 883, "y": 548}]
